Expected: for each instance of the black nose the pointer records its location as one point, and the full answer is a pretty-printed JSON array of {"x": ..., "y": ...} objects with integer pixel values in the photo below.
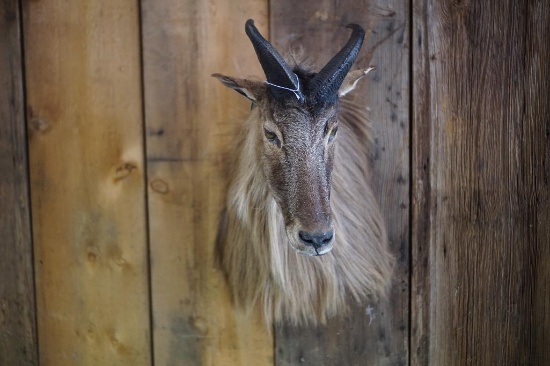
[{"x": 316, "y": 240}]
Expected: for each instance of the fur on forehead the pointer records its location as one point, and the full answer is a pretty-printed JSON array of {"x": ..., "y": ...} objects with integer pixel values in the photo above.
[{"x": 292, "y": 110}]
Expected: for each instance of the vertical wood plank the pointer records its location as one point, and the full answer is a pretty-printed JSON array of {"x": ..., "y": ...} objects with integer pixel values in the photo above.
[
  {"x": 481, "y": 259},
  {"x": 374, "y": 334},
  {"x": 191, "y": 122},
  {"x": 17, "y": 317},
  {"x": 87, "y": 182},
  {"x": 421, "y": 188}
]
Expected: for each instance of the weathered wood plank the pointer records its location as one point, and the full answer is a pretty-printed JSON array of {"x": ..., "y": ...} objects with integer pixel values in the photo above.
[
  {"x": 360, "y": 339},
  {"x": 87, "y": 182},
  {"x": 17, "y": 318},
  {"x": 481, "y": 284},
  {"x": 191, "y": 122}
]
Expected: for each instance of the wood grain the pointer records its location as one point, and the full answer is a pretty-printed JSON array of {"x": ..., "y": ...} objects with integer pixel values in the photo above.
[
  {"x": 480, "y": 132},
  {"x": 360, "y": 339},
  {"x": 86, "y": 167},
  {"x": 192, "y": 121},
  {"x": 481, "y": 284},
  {"x": 17, "y": 309}
]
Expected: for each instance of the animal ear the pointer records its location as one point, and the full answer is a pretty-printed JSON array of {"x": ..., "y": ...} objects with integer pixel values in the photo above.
[
  {"x": 253, "y": 90},
  {"x": 350, "y": 82}
]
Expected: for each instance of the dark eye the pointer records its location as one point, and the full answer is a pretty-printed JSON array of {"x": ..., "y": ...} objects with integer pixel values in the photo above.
[
  {"x": 272, "y": 137},
  {"x": 332, "y": 134}
]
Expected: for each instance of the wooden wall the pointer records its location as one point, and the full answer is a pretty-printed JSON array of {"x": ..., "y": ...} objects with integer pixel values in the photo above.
[
  {"x": 113, "y": 148},
  {"x": 17, "y": 301},
  {"x": 481, "y": 169}
]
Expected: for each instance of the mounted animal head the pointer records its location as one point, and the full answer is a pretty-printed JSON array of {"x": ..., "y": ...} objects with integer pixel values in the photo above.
[{"x": 298, "y": 111}]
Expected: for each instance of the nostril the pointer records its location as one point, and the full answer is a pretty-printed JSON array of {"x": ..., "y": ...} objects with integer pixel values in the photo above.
[
  {"x": 306, "y": 237},
  {"x": 327, "y": 237},
  {"x": 316, "y": 239}
]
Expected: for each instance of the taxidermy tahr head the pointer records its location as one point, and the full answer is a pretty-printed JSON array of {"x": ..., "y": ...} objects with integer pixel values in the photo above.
[
  {"x": 300, "y": 185},
  {"x": 298, "y": 109}
]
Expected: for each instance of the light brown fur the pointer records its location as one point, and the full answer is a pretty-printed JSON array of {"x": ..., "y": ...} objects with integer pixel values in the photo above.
[{"x": 263, "y": 269}]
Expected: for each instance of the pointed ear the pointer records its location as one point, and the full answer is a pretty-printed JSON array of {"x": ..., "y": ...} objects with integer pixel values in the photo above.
[
  {"x": 350, "y": 82},
  {"x": 253, "y": 90}
]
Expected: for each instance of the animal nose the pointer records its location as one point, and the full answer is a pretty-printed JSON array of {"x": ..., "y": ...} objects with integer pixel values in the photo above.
[{"x": 316, "y": 240}]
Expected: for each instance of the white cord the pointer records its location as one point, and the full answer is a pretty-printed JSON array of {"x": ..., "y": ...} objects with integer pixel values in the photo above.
[{"x": 295, "y": 91}]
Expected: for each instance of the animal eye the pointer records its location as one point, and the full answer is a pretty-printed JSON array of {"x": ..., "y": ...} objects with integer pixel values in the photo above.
[
  {"x": 272, "y": 137},
  {"x": 332, "y": 134}
]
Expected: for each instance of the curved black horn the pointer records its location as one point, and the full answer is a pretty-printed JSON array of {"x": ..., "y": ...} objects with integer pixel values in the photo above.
[
  {"x": 326, "y": 83},
  {"x": 276, "y": 69}
]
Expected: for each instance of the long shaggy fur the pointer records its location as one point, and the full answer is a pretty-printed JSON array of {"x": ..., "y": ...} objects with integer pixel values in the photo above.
[{"x": 261, "y": 266}]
